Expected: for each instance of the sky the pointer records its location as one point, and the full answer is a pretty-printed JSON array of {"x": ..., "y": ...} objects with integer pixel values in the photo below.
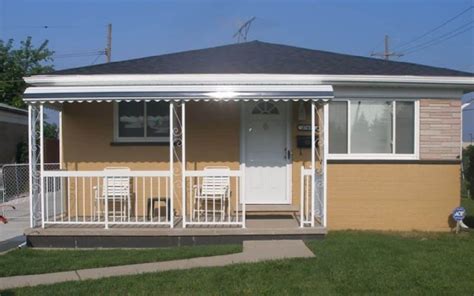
[{"x": 77, "y": 30}]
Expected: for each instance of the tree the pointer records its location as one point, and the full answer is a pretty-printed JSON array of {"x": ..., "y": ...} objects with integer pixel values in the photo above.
[
  {"x": 50, "y": 130},
  {"x": 17, "y": 63},
  {"x": 468, "y": 166}
]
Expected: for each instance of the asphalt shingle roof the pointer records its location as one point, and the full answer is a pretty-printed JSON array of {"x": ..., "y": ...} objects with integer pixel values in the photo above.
[{"x": 263, "y": 58}]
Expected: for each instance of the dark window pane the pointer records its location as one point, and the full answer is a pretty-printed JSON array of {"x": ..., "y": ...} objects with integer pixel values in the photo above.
[
  {"x": 130, "y": 119},
  {"x": 158, "y": 119},
  {"x": 405, "y": 127},
  {"x": 338, "y": 127}
]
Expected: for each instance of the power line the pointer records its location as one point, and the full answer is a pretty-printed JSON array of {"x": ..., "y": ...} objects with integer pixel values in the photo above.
[
  {"x": 439, "y": 37},
  {"x": 439, "y": 40},
  {"x": 436, "y": 28},
  {"x": 79, "y": 54},
  {"x": 96, "y": 58}
]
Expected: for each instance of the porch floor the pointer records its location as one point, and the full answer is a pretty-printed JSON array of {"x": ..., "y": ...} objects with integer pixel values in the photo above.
[{"x": 140, "y": 236}]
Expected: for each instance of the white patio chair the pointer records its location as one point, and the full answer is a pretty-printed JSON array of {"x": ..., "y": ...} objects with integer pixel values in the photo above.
[
  {"x": 115, "y": 190},
  {"x": 213, "y": 194}
]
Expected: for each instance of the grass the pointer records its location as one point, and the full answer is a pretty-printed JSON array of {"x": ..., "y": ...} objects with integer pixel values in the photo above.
[
  {"x": 345, "y": 263},
  {"x": 31, "y": 261}
]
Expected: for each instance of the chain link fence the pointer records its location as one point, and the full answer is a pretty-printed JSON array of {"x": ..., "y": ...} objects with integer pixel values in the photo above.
[{"x": 14, "y": 180}]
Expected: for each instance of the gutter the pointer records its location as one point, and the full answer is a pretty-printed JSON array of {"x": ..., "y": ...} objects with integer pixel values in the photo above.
[{"x": 465, "y": 82}]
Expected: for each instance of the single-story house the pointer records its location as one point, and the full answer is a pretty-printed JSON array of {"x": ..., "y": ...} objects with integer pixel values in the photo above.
[
  {"x": 194, "y": 143},
  {"x": 13, "y": 131}
]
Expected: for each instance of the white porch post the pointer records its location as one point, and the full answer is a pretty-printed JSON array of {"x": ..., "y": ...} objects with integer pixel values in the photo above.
[
  {"x": 171, "y": 165},
  {"x": 42, "y": 163},
  {"x": 31, "y": 159},
  {"x": 325, "y": 161},
  {"x": 35, "y": 159},
  {"x": 313, "y": 164},
  {"x": 60, "y": 132},
  {"x": 183, "y": 161}
]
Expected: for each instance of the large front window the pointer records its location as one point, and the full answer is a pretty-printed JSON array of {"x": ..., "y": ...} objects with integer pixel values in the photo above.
[
  {"x": 142, "y": 122},
  {"x": 372, "y": 128}
]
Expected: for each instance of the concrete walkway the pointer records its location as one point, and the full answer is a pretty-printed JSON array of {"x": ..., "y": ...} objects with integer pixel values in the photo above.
[
  {"x": 11, "y": 234},
  {"x": 253, "y": 251}
]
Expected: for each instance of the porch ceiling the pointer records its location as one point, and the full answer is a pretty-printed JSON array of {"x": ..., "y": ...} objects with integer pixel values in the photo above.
[{"x": 179, "y": 93}]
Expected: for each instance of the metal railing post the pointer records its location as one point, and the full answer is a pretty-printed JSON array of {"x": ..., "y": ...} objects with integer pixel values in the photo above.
[
  {"x": 171, "y": 165},
  {"x": 243, "y": 201},
  {"x": 301, "y": 195},
  {"x": 106, "y": 204},
  {"x": 42, "y": 163},
  {"x": 313, "y": 163}
]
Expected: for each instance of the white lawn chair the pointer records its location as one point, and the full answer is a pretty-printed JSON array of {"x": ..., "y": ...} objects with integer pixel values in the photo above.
[
  {"x": 115, "y": 191},
  {"x": 212, "y": 195}
]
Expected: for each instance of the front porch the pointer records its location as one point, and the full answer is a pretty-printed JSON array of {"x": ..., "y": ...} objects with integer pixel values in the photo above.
[
  {"x": 196, "y": 179},
  {"x": 269, "y": 227}
]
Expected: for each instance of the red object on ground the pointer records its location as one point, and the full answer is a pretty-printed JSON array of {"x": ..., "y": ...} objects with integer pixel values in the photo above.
[{"x": 3, "y": 219}]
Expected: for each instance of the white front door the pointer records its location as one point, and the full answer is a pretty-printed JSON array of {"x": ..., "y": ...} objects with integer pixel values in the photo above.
[{"x": 265, "y": 152}]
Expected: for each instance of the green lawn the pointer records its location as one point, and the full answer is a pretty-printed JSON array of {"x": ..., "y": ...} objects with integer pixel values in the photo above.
[
  {"x": 31, "y": 261},
  {"x": 346, "y": 263}
]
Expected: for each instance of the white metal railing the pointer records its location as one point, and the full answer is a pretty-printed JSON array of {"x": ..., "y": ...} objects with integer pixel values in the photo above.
[
  {"x": 213, "y": 197},
  {"x": 311, "y": 198},
  {"x": 107, "y": 198},
  {"x": 306, "y": 202}
]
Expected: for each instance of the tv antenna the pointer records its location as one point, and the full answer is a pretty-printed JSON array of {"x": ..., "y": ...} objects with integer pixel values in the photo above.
[{"x": 242, "y": 32}]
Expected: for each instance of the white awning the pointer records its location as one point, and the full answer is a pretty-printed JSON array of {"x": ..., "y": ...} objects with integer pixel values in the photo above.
[{"x": 68, "y": 94}]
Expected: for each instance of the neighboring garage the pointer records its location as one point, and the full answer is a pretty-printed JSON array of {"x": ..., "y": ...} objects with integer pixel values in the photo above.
[{"x": 13, "y": 130}]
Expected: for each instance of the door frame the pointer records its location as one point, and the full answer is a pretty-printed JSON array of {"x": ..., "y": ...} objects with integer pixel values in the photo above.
[{"x": 289, "y": 163}]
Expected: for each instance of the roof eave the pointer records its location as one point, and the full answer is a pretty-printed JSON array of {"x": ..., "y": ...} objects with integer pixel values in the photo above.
[{"x": 464, "y": 82}]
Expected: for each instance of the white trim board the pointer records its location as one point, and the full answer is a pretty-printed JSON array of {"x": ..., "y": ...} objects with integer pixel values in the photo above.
[
  {"x": 252, "y": 79},
  {"x": 380, "y": 156},
  {"x": 351, "y": 92}
]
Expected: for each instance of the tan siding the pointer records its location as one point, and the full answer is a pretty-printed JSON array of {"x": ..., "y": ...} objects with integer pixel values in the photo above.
[
  {"x": 392, "y": 196},
  {"x": 212, "y": 134}
]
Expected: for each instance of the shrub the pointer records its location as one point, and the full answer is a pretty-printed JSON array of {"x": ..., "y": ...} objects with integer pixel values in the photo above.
[{"x": 468, "y": 168}]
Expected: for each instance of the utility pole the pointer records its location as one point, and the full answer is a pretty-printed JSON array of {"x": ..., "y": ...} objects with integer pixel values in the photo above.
[
  {"x": 108, "y": 49},
  {"x": 386, "y": 54}
]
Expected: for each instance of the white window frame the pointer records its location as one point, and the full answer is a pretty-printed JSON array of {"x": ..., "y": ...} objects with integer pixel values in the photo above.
[
  {"x": 143, "y": 139},
  {"x": 380, "y": 156}
]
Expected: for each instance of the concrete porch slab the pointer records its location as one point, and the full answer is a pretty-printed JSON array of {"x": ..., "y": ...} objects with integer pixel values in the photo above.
[{"x": 152, "y": 237}]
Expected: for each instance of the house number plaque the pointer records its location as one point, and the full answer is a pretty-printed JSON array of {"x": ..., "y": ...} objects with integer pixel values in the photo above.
[{"x": 304, "y": 127}]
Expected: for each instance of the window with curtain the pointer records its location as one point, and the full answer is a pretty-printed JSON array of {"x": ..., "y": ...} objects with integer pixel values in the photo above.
[
  {"x": 375, "y": 126},
  {"x": 142, "y": 121},
  {"x": 371, "y": 126}
]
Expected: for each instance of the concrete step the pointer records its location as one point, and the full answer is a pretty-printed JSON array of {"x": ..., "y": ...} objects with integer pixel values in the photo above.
[{"x": 270, "y": 208}]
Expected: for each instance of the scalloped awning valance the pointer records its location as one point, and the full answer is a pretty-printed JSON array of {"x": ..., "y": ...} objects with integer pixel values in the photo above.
[{"x": 178, "y": 93}]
